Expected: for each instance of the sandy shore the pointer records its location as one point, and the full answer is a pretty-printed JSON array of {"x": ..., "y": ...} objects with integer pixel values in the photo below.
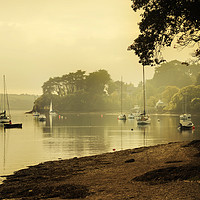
[{"x": 168, "y": 171}]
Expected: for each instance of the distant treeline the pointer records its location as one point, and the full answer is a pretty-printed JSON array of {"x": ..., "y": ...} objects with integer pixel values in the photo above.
[
  {"x": 19, "y": 101},
  {"x": 174, "y": 83},
  {"x": 82, "y": 93}
]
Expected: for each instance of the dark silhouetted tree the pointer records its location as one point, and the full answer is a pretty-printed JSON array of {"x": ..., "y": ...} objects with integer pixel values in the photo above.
[{"x": 162, "y": 22}]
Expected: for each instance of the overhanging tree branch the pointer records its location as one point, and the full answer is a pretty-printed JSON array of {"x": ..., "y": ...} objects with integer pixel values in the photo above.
[{"x": 162, "y": 22}]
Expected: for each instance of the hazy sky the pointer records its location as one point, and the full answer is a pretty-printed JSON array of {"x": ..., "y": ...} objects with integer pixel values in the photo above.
[{"x": 40, "y": 39}]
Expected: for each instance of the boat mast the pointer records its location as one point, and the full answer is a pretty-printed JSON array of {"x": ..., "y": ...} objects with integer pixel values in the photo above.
[
  {"x": 144, "y": 90},
  {"x": 4, "y": 93},
  {"x": 121, "y": 94}
]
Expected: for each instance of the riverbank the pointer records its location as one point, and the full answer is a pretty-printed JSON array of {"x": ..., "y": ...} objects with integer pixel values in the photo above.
[{"x": 168, "y": 171}]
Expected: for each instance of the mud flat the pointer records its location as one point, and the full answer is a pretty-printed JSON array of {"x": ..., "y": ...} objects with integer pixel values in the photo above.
[{"x": 167, "y": 171}]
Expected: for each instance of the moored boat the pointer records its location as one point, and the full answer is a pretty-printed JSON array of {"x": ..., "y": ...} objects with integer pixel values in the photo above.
[
  {"x": 4, "y": 118},
  {"x": 143, "y": 118},
  {"x": 131, "y": 116},
  {"x": 122, "y": 117},
  {"x": 10, "y": 125},
  {"x": 42, "y": 117},
  {"x": 185, "y": 122}
]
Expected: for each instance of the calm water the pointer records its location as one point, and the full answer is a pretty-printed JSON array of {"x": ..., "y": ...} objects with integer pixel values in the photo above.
[{"x": 82, "y": 135}]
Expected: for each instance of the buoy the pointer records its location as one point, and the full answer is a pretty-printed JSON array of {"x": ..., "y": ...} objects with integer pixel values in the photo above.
[
  {"x": 132, "y": 129},
  {"x": 114, "y": 149},
  {"x": 193, "y": 127}
]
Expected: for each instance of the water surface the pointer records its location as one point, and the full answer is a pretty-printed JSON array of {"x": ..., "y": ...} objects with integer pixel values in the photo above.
[{"x": 76, "y": 135}]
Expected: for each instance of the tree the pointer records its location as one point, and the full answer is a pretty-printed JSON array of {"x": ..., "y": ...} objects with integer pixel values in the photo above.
[
  {"x": 96, "y": 81},
  {"x": 168, "y": 93},
  {"x": 74, "y": 82},
  {"x": 172, "y": 74},
  {"x": 162, "y": 22},
  {"x": 185, "y": 97},
  {"x": 195, "y": 104}
]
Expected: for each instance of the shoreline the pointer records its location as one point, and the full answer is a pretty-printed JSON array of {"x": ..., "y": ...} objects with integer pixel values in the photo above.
[{"x": 164, "y": 171}]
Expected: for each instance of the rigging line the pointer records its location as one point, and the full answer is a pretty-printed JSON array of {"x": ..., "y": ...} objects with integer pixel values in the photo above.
[
  {"x": 6, "y": 96},
  {"x": 4, "y": 90},
  {"x": 1, "y": 102},
  {"x": 8, "y": 104}
]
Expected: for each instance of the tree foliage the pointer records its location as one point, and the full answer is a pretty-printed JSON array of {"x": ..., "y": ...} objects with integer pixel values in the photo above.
[
  {"x": 67, "y": 84},
  {"x": 80, "y": 92},
  {"x": 164, "y": 21},
  {"x": 172, "y": 74},
  {"x": 168, "y": 93},
  {"x": 186, "y": 99},
  {"x": 96, "y": 81},
  {"x": 96, "y": 91}
]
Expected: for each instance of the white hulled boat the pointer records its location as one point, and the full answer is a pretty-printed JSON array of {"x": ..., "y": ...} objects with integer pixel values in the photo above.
[
  {"x": 131, "y": 116},
  {"x": 186, "y": 121}
]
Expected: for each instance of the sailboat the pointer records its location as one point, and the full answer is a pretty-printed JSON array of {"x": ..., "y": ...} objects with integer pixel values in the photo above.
[
  {"x": 185, "y": 120},
  {"x": 5, "y": 119},
  {"x": 51, "y": 112},
  {"x": 143, "y": 118},
  {"x": 121, "y": 116}
]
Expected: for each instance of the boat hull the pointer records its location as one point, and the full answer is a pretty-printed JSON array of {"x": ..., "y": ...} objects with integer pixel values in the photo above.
[
  {"x": 185, "y": 122},
  {"x": 131, "y": 116},
  {"x": 186, "y": 127},
  {"x": 19, "y": 125},
  {"x": 143, "y": 122},
  {"x": 42, "y": 118},
  {"x": 143, "y": 119}
]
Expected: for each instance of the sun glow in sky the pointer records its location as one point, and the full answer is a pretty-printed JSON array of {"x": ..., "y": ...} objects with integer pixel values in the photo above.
[{"x": 40, "y": 39}]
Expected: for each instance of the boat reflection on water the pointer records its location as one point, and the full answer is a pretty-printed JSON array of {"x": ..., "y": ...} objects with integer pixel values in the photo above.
[
  {"x": 186, "y": 132},
  {"x": 48, "y": 128},
  {"x": 144, "y": 129}
]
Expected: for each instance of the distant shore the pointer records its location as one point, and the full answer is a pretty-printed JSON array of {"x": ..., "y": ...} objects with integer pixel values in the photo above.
[{"x": 167, "y": 171}]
